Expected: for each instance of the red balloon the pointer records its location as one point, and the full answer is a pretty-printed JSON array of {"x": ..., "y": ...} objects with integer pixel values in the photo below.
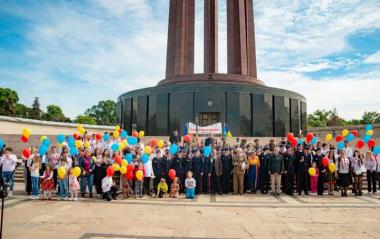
[
  {"x": 186, "y": 138},
  {"x": 172, "y": 174},
  {"x": 294, "y": 142},
  {"x": 98, "y": 137},
  {"x": 371, "y": 143},
  {"x": 129, "y": 176},
  {"x": 360, "y": 144},
  {"x": 118, "y": 159},
  {"x": 153, "y": 142},
  {"x": 110, "y": 171},
  {"x": 24, "y": 139},
  {"x": 290, "y": 137},
  {"x": 26, "y": 153},
  {"x": 339, "y": 138},
  {"x": 130, "y": 168},
  {"x": 76, "y": 136},
  {"x": 355, "y": 133},
  {"x": 135, "y": 134},
  {"x": 309, "y": 137},
  {"x": 325, "y": 162}
]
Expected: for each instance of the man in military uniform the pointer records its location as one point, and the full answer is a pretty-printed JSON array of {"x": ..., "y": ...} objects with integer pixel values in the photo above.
[{"x": 239, "y": 163}]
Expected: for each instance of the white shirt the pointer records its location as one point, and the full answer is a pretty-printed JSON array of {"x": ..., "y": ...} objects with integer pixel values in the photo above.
[
  {"x": 107, "y": 184},
  {"x": 148, "y": 168},
  {"x": 9, "y": 164},
  {"x": 348, "y": 152}
]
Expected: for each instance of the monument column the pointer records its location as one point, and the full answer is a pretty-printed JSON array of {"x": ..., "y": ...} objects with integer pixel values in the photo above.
[
  {"x": 210, "y": 36},
  {"x": 180, "y": 52},
  {"x": 241, "y": 57}
]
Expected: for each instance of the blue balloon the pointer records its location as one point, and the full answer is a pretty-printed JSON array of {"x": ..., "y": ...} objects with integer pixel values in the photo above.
[
  {"x": 314, "y": 140},
  {"x": 144, "y": 158},
  {"x": 1, "y": 144},
  {"x": 173, "y": 149},
  {"x": 115, "y": 147},
  {"x": 60, "y": 138},
  {"x": 124, "y": 134},
  {"x": 73, "y": 151},
  {"x": 207, "y": 151},
  {"x": 340, "y": 145},
  {"x": 106, "y": 137},
  {"x": 132, "y": 140},
  {"x": 46, "y": 142},
  {"x": 300, "y": 141},
  {"x": 71, "y": 141},
  {"x": 129, "y": 158},
  {"x": 366, "y": 138},
  {"x": 376, "y": 150},
  {"x": 350, "y": 137},
  {"x": 42, "y": 150},
  {"x": 368, "y": 127}
]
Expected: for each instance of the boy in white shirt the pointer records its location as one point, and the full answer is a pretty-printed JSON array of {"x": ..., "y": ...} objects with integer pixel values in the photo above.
[{"x": 9, "y": 162}]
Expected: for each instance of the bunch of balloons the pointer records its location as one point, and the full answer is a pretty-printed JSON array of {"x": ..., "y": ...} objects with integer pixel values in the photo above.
[
  {"x": 25, "y": 135},
  {"x": 81, "y": 129}
]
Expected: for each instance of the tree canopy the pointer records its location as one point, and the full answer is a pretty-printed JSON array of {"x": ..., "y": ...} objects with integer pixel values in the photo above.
[
  {"x": 85, "y": 119},
  {"x": 104, "y": 112}
]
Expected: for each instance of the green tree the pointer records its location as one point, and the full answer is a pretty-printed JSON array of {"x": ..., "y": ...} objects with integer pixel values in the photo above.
[
  {"x": 104, "y": 112},
  {"x": 370, "y": 117},
  {"x": 54, "y": 113},
  {"x": 318, "y": 118},
  {"x": 35, "y": 112},
  {"x": 85, "y": 119},
  {"x": 8, "y": 101},
  {"x": 22, "y": 110}
]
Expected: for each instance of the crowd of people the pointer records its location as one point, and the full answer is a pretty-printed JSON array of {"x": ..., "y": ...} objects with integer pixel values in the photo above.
[{"x": 243, "y": 167}]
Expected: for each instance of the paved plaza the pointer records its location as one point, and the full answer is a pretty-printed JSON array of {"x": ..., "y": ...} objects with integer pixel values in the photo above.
[{"x": 248, "y": 216}]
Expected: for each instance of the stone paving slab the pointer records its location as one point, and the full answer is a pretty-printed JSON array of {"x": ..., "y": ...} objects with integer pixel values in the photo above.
[{"x": 248, "y": 216}]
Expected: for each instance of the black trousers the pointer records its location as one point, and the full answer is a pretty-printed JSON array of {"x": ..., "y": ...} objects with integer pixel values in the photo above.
[
  {"x": 303, "y": 182},
  {"x": 226, "y": 182},
  {"x": 110, "y": 194},
  {"x": 289, "y": 183},
  {"x": 146, "y": 185},
  {"x": 29, "y": 181},
  {"x": 321, "y": 183},
  {"x": 217, "y": 184},
  {"x": 98, "y": 177},
  {"x": 206, "y": 183},
  {"x": 156, "y": 181},
  {"x": 371, "y": 180},
  {"x": 264, "y": 181}
]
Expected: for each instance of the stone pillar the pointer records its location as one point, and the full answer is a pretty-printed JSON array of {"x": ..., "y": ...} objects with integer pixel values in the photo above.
[
  {"x": 210, "y": 36},
  {"x": 180, "y": 50},
  {"x": 241, "y": 55}
]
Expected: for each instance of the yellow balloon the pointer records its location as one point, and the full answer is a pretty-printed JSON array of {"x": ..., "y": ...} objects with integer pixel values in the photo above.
[
  {"x": 141, "y": 134},
  {"x": 116, "y": 167},
  {"x": 229, "y": 134},
  {"x": 117, "y": 128},
  {"x": 116, "y": 134},
  {"x": 26, "y": 132},
  {"x": 139, "y": 175},
  {"x": 312, "y": 171},
  {"x": 78, "y": 144},
  {"x": 124, "y": 163},
  {"x": 125, "y": 143},
  {"x": 147, "y": 149},
  {"x": 61, "y": 172},
  {"x": 369, "y": 132},
  {"x": 43, "y": 137},
  {"x": 121, "y": 146},
  {"x": 123, "y": 169},
  {"x": 345, "y": 132},
  {"x": 87, "y": 144},
  {"x": 60, "y": 145},
  {"x": 79, "y": 126},
  {"x": 328, "y": 137},
  {"x": 160, "y": 143},
  {"x": 76, "y": 171},
  {"x": 81, "y": 130},
  {"x": 332, "y": 167}
]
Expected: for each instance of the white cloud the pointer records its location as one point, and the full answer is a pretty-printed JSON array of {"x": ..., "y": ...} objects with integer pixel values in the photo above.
[{"x": 373, "y": 59}]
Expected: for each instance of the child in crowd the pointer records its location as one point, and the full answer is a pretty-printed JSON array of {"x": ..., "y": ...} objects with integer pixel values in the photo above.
[
  {"x": 63, "y": 184},
  {"x": 47, "y": 184},
  {"x": 127, "y": 186},
  {"x": 139, "y": 183},
  {"x": 162, "y": 188},
  {"x": 174, "y": 188},
  {"x": 35, "y": 175},
  {"x": 190, "y": 185},
  {"x": 109, "y": 189},
  {"x": 73, "y": 186},
  {"x": 314, "y": 179}
]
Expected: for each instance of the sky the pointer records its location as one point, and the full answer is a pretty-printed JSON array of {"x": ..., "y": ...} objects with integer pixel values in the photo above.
[{"x": 76, "y": 53}]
